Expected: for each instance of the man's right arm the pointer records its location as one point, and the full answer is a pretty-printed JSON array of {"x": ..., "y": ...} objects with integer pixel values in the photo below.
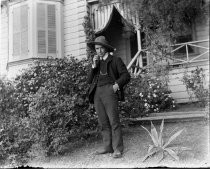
[
  {"x": 93, "y": 69},
  {"x": 91, "y": 75}
]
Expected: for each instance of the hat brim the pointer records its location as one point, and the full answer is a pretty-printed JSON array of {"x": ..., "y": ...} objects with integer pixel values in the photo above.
[{"x": 109, "y": 47}]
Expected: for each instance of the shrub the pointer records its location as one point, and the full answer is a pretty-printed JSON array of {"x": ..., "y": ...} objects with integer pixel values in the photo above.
[
  {"x": 56, "y": 101},
  {"x": 8, "y": 102},
  {"x": 46, "y": 105},
  {"x": 146, "y": 94},
  {"x": 195, "y": 84},
  {"x": 15, "y": 133}
]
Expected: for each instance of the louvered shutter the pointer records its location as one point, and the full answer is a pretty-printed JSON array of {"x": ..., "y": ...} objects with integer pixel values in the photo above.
[
  {"x": 24, "y": 30},
  {"x": 16, "y": 32},
  {"x": 46, "y": 29},
  {"x": 41, "y": 27},
  {"x": 51, "y": 29},
  {"x": 20, "y": 32}
]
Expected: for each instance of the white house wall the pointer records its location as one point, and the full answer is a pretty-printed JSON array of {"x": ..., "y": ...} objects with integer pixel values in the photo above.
[
  {"x": 177, "y": 87},
  {"x": 4, "y": 41},
  {"x": 202, "y": 29},
  {"x": 74, "y": 36},
  {"x": 202, "y": 32}
]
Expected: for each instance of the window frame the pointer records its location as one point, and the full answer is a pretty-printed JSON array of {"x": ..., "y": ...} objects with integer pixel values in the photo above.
[
  {"x": 192, "y": 35},
  {"x": 33, "y": 28},
  {"x": 11, "y": 9},
  {"x": 59, "y": 28}
]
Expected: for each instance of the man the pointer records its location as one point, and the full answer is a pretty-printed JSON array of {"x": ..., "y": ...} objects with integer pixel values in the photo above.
[{"x": 107, "y": 77}]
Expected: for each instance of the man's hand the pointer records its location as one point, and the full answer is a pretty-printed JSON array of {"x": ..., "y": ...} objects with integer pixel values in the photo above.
[
  {"x": 116, "y": 87},
  {"x": 95, "y": 61}
]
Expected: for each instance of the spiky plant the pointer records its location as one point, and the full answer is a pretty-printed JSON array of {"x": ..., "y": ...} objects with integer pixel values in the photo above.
[{"x": 161, "y": 147}]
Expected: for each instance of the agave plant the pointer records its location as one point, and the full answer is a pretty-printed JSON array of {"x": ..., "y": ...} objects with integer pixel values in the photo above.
[{"x": 161, "y": 147}]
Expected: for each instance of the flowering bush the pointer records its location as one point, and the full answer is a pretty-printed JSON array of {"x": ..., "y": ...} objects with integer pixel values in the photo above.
[
  {"x": 46, "y": 106},
  {"x": 54, "y": 97},
  {"x": 15, "y": 133},
  {"x": 195, "y": 84},
  {"x": 146, "y": 95}
]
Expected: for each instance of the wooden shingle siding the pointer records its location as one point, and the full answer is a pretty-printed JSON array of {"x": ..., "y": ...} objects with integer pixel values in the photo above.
[
  {"x": 73, "y": 24},
  {"x": 78, "y": 18},
  {"x": 4, "y": 41},
  {"x": 73, "y": 29},
  {"x": 177, "y": 87},
  {"x": 202, "y": 31},
  {"x": 70, "y": 36},
  {"x": 68, "y": 2},
  {"x": 74, "y": 36},
  {"x": 75, "y": 41}
]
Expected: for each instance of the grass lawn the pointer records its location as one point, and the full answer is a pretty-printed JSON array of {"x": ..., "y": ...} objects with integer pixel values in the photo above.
[{"x": 136, "y": 141}]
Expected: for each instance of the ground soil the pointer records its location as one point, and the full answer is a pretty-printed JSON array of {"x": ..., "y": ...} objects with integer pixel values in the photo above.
[{"x": 136, "y": 141}]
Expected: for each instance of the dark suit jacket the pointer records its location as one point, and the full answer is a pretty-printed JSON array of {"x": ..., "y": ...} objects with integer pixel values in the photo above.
[{"x": 117, "y": 70}]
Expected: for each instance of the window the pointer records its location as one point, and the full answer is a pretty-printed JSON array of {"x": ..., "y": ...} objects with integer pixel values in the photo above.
[
  {"x": 46, "y": 29},
  {"x": 184, "y": 39},
  {"x": 35, "y": 29},
  {"x": 19, "y": 31},
  {"x": 188, "y": 36}
]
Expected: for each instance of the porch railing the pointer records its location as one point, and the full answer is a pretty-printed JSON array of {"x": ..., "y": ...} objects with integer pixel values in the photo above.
[
  {"x": 198, "y": 50},
  {"x": 136, "y": 64}
]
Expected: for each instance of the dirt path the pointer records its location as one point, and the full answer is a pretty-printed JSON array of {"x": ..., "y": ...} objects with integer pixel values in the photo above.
[{"x": 136, "y": 140}]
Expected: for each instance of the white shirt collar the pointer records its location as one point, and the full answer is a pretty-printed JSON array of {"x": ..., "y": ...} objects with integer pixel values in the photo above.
[{"x": 105, "y": 56}]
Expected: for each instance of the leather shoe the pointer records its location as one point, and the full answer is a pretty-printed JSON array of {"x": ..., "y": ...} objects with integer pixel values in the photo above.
[
  {"x": 117, "y": 154},
  {"x": 103, "y": 152}
]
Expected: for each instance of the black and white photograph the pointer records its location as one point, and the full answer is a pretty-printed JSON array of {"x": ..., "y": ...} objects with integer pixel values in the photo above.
[{"x": 104, "y": 84}]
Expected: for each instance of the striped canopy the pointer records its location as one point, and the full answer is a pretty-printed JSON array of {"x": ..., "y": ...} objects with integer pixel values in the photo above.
[{"x": 101, "y": 16}]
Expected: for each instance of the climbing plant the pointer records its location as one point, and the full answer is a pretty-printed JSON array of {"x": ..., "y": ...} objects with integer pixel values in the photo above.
[
  {"x": 162, "y": 21},
  {"x": 90, "y": 35}
]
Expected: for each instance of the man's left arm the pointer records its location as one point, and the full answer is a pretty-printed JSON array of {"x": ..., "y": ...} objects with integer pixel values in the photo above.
[{"x": 124, "y": 76}]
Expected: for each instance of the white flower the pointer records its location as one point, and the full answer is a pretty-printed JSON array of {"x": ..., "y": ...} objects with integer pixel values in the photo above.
[
  {"x": 141, "y": 95},
  {"x": 146, "y": 105},
  {"x": 154, "y": 95}
]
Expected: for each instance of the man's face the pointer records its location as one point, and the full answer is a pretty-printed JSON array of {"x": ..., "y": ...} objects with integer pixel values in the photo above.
[{"x": 100, "y": 50}]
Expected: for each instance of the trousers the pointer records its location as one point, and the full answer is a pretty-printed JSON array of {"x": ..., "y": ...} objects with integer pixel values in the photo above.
[{"x": 106, "y": 105}]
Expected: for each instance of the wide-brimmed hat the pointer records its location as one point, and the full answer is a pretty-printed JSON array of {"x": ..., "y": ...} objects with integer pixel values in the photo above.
[{"x": 101, "y": 40}]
